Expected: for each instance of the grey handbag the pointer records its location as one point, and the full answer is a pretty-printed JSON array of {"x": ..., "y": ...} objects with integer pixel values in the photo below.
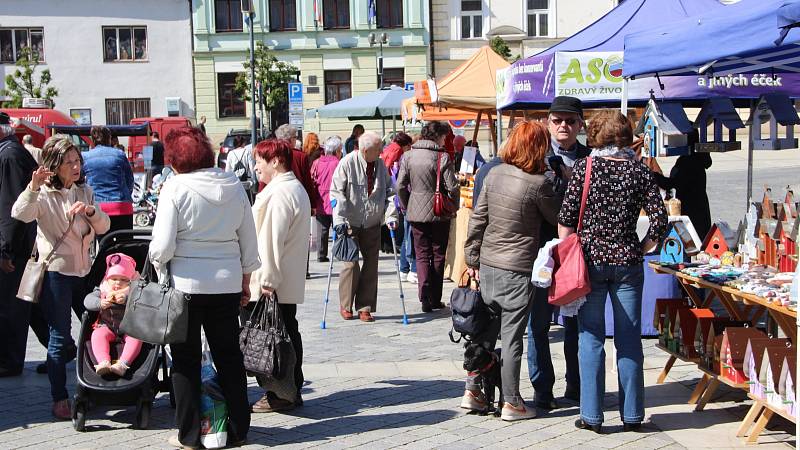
[
  {"x": 30, "y": 286},
  {"x": 155, "y": 311}
]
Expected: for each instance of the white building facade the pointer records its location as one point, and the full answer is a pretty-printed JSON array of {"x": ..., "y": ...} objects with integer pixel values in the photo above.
[
  {"x": 113, "y": 60},
  {"x": 460, "y": 27}
]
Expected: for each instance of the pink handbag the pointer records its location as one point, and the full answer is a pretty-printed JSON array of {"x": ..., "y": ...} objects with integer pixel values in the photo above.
[{"x": 570, "y": 272}]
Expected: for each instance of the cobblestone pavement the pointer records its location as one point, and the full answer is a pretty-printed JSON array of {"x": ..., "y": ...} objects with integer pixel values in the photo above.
[{"x": 387, "y": 385}]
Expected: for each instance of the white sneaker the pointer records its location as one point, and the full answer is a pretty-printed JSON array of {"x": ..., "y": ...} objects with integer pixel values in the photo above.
[
  {"x": 474, "y": 402},
  {"x": 511, "y": 413},
  {"x": 404, "y": 276},
  {"x": 412, "y": 277}
]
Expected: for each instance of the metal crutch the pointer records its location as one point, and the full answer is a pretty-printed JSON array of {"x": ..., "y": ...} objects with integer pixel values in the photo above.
[
  {"x": 330, "y": 272},
  {"x": 399, "y": 281}
]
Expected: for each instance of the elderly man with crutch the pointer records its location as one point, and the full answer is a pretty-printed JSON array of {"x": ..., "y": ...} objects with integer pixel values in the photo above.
[{"x": 364, "y": 200}]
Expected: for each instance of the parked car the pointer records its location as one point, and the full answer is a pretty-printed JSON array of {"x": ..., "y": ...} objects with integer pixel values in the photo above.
[{"x": 228, "y": 144}]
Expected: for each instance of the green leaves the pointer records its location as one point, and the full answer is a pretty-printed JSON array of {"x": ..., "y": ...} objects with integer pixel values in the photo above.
[
  {"x": 23, "y": 82},
  {"x": 273, "y": 75}
]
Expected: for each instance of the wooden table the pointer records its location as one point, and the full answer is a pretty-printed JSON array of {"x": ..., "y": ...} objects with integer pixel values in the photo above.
[{"x": 740, "y": 306}]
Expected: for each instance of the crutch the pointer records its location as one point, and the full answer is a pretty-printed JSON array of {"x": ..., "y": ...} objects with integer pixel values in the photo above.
[
  {"x": 330, "y": 272},
  {"x": 399, "y": 281}
]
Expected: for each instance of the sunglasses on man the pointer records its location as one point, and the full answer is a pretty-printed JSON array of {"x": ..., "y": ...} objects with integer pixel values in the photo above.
[{"x": 556, "y": 121}]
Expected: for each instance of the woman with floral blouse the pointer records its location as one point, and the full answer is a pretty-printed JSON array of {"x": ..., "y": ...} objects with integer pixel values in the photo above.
[{"x": 620, "y": 187}]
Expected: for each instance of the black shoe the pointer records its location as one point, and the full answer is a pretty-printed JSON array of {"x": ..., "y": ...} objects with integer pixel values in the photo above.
[
  {"x": 41, "y": 369},
  {"x": 632, "y": 426},
  {"x": 323, "y": 259},
  {"x": 573, "y": 393},
  {"x": 9, "y": 373},
  {"x": 438, "y": 305},
  {"x": 298, "y": 400},
  {"x": 545, "y": 403},
  {"x": 426, "y": 306},
  {"x": 581, "y": 425}
]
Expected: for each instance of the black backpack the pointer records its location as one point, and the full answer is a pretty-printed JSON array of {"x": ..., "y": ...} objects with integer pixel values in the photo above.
[{"x": 470, "y": 315}]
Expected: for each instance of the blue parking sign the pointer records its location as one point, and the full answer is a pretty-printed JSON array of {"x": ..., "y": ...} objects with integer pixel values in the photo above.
[{"x": 296, "y": 93}]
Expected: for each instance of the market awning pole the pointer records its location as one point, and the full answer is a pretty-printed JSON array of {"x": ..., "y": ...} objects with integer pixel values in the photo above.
[
  {"x": 477, "y": 128},
  {"x": 499, "y": 128},
  {"x": 624, "y": 106},
  {"x": 493, "y": 134},
  {"x": 394, "y": 124},
  {"x": 750, "y": 163}
]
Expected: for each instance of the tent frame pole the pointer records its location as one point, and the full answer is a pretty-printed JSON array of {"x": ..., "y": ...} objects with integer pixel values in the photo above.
[
  {"x": 477, "y": 127},
  {"x": 624, "y": 103}
]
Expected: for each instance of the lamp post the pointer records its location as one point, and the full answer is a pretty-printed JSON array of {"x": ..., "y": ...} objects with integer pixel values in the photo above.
[
  {"x": 247, "y": 9},
  {"x": 380, "y": 40}
]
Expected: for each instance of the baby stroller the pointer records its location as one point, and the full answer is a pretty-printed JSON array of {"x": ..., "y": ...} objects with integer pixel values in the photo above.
[{"x": 141, "y": 383}]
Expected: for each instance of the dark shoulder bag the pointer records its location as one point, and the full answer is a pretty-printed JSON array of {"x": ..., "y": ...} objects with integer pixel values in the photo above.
[
  {"x": 265, "y": 342},
  {"x": 470, "y": 315},
  {"x": 156, "y": 312},
  {"x": 443, "y": 205}
]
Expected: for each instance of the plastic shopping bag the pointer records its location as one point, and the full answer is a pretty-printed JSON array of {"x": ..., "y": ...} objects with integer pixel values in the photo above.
[
  {"x": 542, "y": 274},
  {"x": 213, "y": 409}
]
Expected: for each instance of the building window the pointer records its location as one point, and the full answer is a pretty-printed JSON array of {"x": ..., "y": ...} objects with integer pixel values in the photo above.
[
  {"x": 124, "y": 44},
  {"x": 471, "y": 19},
  {"x": 120, "y": 111},
  {"x": 336, "y": 14},
  {"x": 389, "y": 13},
  {"x": 231, "y": 104},
  {"x": 14, "y": 40},
  {"x": 394, "y": 77},
  {"x": 539, "y": 18},
  {"x": 282, "y": 15},
  {"x": 228, "y": 16},
  {"x": 337, "y": 85}
]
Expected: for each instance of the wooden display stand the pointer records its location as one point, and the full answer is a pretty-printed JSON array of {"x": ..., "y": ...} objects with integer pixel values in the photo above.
[
  {"x": 740, "y": 306},
  {"x": 454, "y": 264}
]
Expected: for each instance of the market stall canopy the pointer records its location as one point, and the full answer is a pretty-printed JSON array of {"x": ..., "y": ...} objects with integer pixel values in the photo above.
[
  {"x": 749, "y": 36},
  {"x": 384, "y": 103},
  {"x": 425, "y": 112},
  {"x": 589, "y": 64},
  {"x": 471, "y": 85}
]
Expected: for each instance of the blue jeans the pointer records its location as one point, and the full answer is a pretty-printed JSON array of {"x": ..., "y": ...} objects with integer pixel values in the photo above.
[
  {"x": 540, "y": 363},
  {"x": 408, "y": 258},
  {"x": 624, "y": 284},
  {"x": 58, "y": 292}
]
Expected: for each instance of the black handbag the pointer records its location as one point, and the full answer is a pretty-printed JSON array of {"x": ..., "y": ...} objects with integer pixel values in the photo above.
[
  {"x": 345, "y": 248},
  {"x": 155, "y": 311},
  {"x": 470, "y": 315},
  {"x": 265, "y": 342}
]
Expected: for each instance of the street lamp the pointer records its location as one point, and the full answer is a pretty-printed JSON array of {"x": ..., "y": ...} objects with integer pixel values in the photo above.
[
  {"x": 247, "y": 9},
  {"x": 382, "y": 39}
]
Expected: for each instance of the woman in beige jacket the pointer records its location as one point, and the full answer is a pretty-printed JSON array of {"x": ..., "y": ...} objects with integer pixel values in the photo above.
[
  {"x": 56, "y": 197},
  {"x": 282, "y": 212}
]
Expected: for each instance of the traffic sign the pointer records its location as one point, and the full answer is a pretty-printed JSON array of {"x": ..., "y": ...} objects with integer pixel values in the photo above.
[
  {"x": 409, "y": 86},
  {"x": 295, "y": 93}
]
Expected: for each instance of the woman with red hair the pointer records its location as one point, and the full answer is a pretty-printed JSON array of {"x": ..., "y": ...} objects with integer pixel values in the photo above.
[
  {"x": 282, "y": 214},
  {"x": 503, "y": 241},
  {"x": 204, "y": 235}
]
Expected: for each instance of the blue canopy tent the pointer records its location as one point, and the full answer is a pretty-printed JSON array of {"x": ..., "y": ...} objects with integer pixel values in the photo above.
[
  {"x": 753, "y": 44},
  {"x": 382, "y": 104},
  {"x": 592, "y": 58}
]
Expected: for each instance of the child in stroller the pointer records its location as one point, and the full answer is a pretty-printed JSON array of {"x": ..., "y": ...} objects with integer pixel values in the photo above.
[{"x": 109, "y": 299}]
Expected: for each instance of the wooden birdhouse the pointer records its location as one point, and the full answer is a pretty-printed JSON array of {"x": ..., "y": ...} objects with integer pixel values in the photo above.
[
  {"x": 794, "y": 236},
  {"x": 720, "y": 239},
  {"x": 732, "y": 350},
  {"x": 660, "y": 316},
  {"x": 713, "y": 340},
  {"x": 767, "y": 205},
  {"x": 720, "y": 113},
  {"x": 702, "y": 329},
  {"x": 749, "y": 246},
  {"x": 790, "y": 203},
  {"x": 685, "y": 329},
  {"x": 753, "y": 357},
  {"x": 678, "y": 247},
  {"x": 786, "y": 384},
  {"x": 770, "y": 375},
  {"x": 767, "y": 246},
  {"x": 665, "y": 128},
  {"x": 771, "y": 110},
  {"x": 786, "y": 246}
]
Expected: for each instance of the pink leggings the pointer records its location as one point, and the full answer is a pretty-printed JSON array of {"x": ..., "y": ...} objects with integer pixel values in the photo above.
[{"x": 102, "y": 337}]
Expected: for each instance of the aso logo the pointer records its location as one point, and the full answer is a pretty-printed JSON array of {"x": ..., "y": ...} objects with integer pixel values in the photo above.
[{"x": 596, "y": 69}]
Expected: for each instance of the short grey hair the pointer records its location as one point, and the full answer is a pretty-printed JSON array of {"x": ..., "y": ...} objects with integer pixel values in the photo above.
[
  {"x": 332, "y": 145},
  {"x": 286, "y": 132},
  {"x": 369, "y": 139},
  {"x": 27, "y": 139},
  {"x": 6, "y": 130}
]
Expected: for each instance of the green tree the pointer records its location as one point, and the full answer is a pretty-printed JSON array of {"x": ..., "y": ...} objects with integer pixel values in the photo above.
[
  {"x": 500, "y": 47},
  {"x": 273, "y": 75},
  {"x": 23, "y": 83}
]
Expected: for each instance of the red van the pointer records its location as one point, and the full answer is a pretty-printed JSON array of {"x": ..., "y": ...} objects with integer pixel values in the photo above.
[
  {"x": 160, "y": 125},
  {"x": 34, "y": 121}
]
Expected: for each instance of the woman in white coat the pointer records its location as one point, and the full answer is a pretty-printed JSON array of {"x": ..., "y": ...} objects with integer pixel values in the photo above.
[{"x": 282, "y": 212}]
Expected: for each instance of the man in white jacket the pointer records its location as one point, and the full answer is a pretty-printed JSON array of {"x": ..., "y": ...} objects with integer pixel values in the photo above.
[{"x": 364, "y": 199}]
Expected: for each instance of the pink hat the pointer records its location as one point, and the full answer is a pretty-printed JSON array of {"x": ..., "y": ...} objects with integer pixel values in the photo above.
[{"x": 120, "y": 265}]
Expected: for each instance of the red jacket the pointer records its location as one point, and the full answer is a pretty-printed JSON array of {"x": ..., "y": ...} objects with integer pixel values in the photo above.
[
  {"x": 302, "y": 171},
  {"x": 391, "y": 154}
]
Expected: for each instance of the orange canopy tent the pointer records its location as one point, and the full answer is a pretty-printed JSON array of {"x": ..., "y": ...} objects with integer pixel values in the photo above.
[{"x": 465, "y": 93}]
